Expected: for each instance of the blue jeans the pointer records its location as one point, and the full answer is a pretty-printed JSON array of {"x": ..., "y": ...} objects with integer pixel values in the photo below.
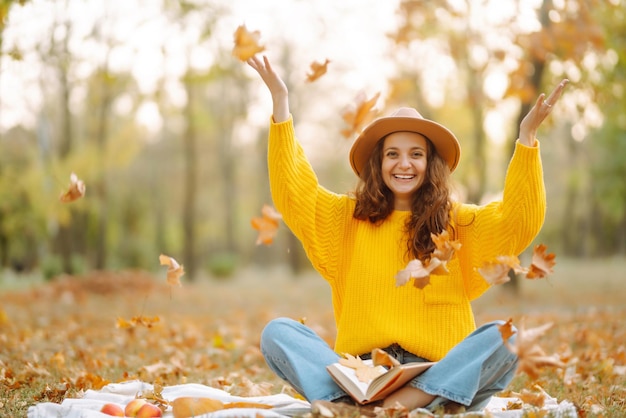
[{"x": 473, "y": 371}]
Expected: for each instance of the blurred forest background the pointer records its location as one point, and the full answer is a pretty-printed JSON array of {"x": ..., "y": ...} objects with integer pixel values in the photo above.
[{"x": 180, "y": 168}]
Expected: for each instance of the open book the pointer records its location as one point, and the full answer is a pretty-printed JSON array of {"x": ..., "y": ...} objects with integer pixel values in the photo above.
[{"x": 385, "y": 379}]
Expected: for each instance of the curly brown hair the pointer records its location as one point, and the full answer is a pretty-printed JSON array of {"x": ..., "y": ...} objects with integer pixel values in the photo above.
[{"x": 430, "y": 204}]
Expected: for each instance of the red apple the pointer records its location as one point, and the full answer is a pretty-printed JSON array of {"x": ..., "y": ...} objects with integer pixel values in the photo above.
[
  {"x": 133, "y": 406},
  {"x": 112, "y": 409},
  {"x": 149, "y": 411}
]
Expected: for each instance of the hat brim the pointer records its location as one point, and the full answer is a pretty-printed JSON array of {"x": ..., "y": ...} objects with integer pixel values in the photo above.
[{"x": 443, "y": 139}]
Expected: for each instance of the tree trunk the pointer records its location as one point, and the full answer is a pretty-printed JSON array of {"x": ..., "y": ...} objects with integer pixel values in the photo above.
[
  {"x": 4, "y": 239},
  {"x": 476, "y": 99},
  {"x": 190, "y": 185},
  {"x": 229, "y": 184},
  {"x": 64, "y": 241},
  {"x": 101, "y": 187}
]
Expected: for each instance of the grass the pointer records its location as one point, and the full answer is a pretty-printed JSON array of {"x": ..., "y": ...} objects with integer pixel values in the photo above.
[{"x": 60, "y": 338}]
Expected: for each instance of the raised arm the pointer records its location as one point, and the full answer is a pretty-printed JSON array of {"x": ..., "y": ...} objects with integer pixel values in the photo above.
[
  {"x": 508, "y": 226},
  {"x": 536, "y": 115},
  {"x": 276, "y": 86},
  {"x": 314, "y": 214}
]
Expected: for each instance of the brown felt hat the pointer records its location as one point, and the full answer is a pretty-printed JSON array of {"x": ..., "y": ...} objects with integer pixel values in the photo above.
[{"x": 405, "y": 119}]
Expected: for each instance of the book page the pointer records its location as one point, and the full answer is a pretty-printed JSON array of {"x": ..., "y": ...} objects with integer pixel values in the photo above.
[
  {"x": 397, "y": 376},
  {"x": 351, "y": 374}
]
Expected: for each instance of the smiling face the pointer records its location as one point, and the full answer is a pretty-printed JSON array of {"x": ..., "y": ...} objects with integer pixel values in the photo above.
[{"x": 403, "y": 166}]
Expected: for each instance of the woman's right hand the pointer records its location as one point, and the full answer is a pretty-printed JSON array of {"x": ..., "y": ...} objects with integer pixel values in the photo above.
[{"x": 276, "y": 86}]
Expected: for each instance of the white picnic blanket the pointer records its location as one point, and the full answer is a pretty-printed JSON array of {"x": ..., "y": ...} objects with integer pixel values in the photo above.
[{"x": 283, "y": 405}]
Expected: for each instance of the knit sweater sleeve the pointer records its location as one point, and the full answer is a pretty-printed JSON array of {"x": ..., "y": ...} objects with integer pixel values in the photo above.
[
  {"x": 505, "y": 227},
  {"x": 315, "y": 215}
]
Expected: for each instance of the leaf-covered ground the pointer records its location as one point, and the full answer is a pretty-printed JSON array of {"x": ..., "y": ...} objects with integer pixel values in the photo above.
[{"x": 60, "y": 338}]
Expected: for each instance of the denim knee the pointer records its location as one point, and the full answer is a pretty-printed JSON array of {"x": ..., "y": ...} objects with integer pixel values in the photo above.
[
  {"x": 275, "y": 330},
  {"x": 299, "y": 356}
]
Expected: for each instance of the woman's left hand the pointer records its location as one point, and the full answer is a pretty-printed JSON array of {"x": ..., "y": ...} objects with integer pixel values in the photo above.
[{"x": 536, "y": 115}]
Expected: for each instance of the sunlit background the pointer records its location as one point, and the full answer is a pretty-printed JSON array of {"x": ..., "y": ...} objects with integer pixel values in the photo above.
[{"x": 145, "y": 102}]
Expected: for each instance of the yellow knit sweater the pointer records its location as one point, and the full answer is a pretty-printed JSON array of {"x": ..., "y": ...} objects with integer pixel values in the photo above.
[{"x": 360, "y": 260}]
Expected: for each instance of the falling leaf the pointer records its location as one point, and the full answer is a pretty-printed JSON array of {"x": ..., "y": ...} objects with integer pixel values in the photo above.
[
  {"x": 531, "y": 356},
  {"x": 246, "y": 43},
  {"x": 368, "y": 373},
  {"x": 421, "y": 282},
  {"x": 444, "y": 247},
  {"x": 420, "y": 272},
  {"x": 75, "y": 191},
  {"x": 362, "y": 113},
  {"x": 174, "y": 270},
  {"x": 267, "y": 225},
  {"x": 435, "y": 266},
  {"x": 542, "y": 263},
  {"x": 383, "y": 358},
  {"x": 318, "y": 69},
  {"x": 497, "y": 272},
  {"x": 506, "y": 330},
  {"x": 364, "y": 372},
  {"x": 353, "y": 362},
  {"x": 414, "y": 269}
]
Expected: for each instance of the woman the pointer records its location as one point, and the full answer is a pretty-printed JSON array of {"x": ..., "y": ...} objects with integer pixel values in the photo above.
[{"x": 358, "y": 244}]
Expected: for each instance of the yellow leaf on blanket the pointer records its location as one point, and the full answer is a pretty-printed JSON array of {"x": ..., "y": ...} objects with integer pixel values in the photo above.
[
  {"x": 188, "y": 406},
  {"x": 232, "y": 405}
]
